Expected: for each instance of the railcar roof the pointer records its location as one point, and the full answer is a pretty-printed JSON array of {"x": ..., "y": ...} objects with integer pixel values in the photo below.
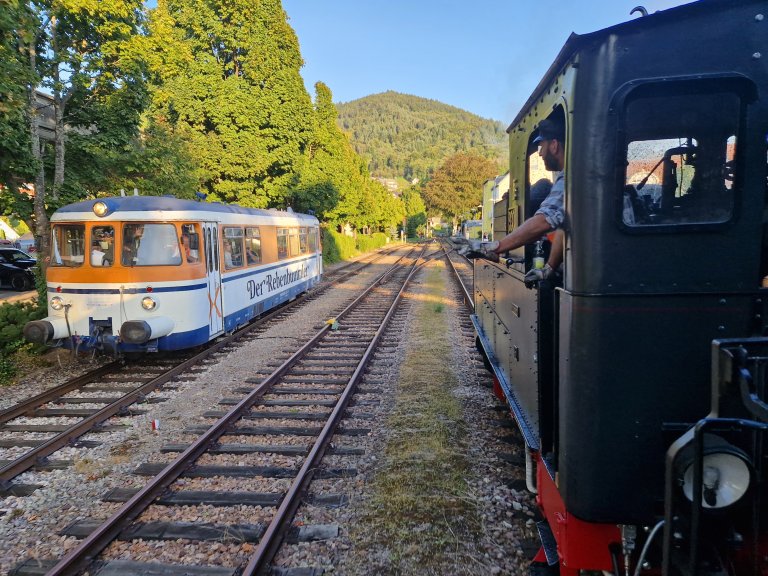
[
  {"x": 147, "y": 204},
  {"x": 576, "y": 42}
]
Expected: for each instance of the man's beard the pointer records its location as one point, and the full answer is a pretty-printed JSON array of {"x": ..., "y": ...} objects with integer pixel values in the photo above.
[{"x": 550, "y": 162}]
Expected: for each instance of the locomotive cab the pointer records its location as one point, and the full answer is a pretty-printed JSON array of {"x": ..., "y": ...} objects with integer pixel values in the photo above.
[{"x": 641, "y": 434}]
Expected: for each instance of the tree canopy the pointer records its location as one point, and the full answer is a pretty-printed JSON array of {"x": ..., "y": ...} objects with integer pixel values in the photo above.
[{"x": 456, "y": 188}]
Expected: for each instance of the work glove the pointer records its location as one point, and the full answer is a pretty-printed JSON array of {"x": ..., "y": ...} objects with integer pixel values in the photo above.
[
  {"x": 480, "y": 249},
  {"x": 536, "y": 275}
]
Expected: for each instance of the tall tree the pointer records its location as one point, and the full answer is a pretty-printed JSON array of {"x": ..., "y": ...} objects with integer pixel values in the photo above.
[
  {"x": 456, "y": 188},
  {"x": 415, "y": 210},
  {"x": 16, "y": 160},
  {"x": 331, "y": 178},
  {"x": 228, "y": 80},
  {"x": 80, "y": 50}
]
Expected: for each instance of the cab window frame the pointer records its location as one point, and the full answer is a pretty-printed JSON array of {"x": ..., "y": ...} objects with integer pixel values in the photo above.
[{"x": 699, "y": 86}]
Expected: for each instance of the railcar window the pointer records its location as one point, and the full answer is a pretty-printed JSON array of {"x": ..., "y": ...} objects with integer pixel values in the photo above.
[
  {"x": 233, "y": 247},
  {"x": 150, "y": 245},
  {"x": 303, "y": 244},
  {"x": 680, "y": 151},
  {"x": 102, "y": 246},
  {"x": 293, "y": 241},
  {"x": 68, "y": 245},
  {"x": 282, "y": 243},
  {"x": 190, "y": 243},
  {"x": 252, "y": 246},
  {"x": 312, "y": 240}
]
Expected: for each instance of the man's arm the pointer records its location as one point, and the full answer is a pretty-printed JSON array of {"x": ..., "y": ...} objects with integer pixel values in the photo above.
[
  {"x": 556, "y": 253},
  {"x": 529, "y": 231}
]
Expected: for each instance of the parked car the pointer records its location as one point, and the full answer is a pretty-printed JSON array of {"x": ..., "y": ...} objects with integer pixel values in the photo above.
[{"x": 16, "y": 269}]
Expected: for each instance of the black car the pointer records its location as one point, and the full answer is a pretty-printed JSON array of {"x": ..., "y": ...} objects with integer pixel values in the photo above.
[{"x": 16, "y": 269}]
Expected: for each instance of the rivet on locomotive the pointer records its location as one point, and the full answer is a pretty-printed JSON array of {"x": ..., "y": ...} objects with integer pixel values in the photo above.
[{"x": 639, "y": 378}]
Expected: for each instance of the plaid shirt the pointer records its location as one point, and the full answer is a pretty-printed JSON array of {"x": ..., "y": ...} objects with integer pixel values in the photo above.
[{"x": 553, "y": 207}]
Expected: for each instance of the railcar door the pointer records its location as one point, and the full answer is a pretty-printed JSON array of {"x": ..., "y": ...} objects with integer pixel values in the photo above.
[{"x": 213, "y": 270}]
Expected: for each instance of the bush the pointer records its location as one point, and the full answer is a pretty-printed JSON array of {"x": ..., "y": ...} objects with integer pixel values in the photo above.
[
  {"x": 368, "y": 243},
  {"x": 13, "y": 316},
  {"x": 337, "y": 247}
]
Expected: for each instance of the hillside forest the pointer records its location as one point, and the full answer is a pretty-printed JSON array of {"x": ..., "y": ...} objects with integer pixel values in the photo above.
[{"x": 206, "y": 100}]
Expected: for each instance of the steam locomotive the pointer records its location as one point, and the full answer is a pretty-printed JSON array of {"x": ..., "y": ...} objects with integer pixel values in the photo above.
[{"x": 638, "y": 379}]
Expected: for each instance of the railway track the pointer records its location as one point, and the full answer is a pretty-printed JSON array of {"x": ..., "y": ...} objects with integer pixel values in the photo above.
[
  {"x": 462, "y": 269},
  {"x": 313, "y": 387},
  {"x": 87, "y": 402}
]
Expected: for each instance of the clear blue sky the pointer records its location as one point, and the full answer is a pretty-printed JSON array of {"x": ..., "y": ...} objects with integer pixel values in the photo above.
[{"x": 484, "y": 56}]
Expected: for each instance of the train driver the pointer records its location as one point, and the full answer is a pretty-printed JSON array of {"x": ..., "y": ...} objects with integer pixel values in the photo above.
[{"x": 550, "y": 216}]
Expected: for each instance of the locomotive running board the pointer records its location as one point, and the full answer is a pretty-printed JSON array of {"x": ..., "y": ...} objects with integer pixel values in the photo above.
[
  {"x": 548, "y": 542},
  {"x": 529, "y": 435}
]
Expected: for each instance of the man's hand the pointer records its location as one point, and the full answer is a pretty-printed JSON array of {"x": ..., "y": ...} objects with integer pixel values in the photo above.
[
  {"x": 480, "y": 249},
  {"x": 536, "y": 275}
]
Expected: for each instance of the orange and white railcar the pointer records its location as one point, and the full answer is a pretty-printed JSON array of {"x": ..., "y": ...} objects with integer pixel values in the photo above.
[{"x": 146, "y": 273}]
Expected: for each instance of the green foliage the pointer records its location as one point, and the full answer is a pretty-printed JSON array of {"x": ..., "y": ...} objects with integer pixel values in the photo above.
[
  {"x": 367, "y": 243},
  {"x": 337, "y": 246},
  {"x": 226, "y": 78},
  {"x": 415, "y": 212},
  {"x": 16, "y": 161},
  {"x": 408, "y": 136},
  {"x": 457, "y": 186},
  {"x": 13, "y": 316}
]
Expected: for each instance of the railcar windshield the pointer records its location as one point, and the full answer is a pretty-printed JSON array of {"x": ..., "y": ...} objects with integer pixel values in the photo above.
[
  {"x": 68, "y": 245},
  {"x": 150, "y": 245},
  {"x": 680, "y": 150}
]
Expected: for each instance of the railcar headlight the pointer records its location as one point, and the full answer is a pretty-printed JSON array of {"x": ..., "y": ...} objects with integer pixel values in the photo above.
[
  {"x": 148, "y": 303},
  {"x": 100, "y": 209},
  {"x": 726, "y": 474},
  {"x": 57, "y": 303}
]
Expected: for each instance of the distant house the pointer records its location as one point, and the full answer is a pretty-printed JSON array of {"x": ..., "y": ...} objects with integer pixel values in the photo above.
[{"x": 389, "y": 183}]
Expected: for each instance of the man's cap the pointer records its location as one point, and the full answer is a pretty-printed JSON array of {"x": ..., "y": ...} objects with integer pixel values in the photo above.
[{"x": 550, "y": 130}]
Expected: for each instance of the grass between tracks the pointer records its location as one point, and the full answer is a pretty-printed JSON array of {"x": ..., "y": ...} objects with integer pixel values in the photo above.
[{"x": 420, "y": 511}]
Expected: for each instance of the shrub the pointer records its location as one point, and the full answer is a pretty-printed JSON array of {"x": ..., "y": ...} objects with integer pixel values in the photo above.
[
  {"x": 13, "y": 316},
  {"x": 337, "y": 246},
  {"x": 368, "y": 243}
]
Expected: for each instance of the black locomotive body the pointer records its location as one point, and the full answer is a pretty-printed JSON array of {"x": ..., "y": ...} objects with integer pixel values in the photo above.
[{"x": 638, "y": 381}]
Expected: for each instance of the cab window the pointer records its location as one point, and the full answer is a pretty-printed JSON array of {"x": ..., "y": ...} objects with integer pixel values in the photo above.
[
  {"x": 190, "y": 243},
  {"x": 312, "y": 240},
  {"x": 681, "y": 142},
  {"x": 102, "y": 251},
  {"x": 68, "y": 246},
  {"x": 150, "y": 245}
]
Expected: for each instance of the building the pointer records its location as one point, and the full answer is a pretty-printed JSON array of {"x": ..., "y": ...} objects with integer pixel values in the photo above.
[{"x": 493, "y": 190}]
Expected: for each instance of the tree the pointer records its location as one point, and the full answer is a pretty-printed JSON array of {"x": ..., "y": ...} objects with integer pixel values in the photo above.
[
  {"x": 456, "y": 188},
  {"x": 227, "y": 79},
  {"x": 415, "y": 211},
  {"x": 80, "y": 52},
  {"x": 16, "y": 161},
  {"x": 331, "y": 179}
]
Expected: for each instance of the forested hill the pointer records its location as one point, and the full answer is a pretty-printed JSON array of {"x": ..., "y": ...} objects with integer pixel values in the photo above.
[{"x": 407, "y": 136}]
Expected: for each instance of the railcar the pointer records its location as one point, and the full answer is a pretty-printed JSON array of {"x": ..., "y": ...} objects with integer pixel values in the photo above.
[
  {"x": 472, "y": 229},
  {"x": 141, "y": 273},
  {"x": 638, "y": 380}
]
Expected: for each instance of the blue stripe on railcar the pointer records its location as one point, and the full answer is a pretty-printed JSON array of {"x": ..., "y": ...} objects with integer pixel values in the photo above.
[{"x": 184, "y": 288}]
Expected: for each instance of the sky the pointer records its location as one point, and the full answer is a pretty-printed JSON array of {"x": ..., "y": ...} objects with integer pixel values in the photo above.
[{"x": 484, "y": 56}]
